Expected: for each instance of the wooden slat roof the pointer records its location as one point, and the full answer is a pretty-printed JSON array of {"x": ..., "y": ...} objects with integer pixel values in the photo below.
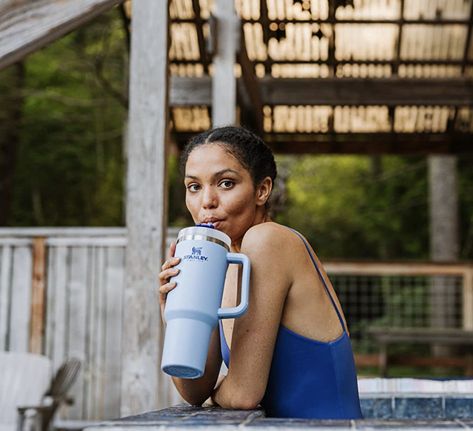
[{"x": 395, "y": 70}]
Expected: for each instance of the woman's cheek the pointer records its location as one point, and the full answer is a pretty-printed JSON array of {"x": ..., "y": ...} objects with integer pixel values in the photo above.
[{"x": 191, "y": 207}]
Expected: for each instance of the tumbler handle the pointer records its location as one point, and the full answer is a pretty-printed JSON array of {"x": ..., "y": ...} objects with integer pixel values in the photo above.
[{"x": 231, "y": 312}]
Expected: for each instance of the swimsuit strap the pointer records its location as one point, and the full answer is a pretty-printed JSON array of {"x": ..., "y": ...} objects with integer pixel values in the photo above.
[{"x": 322, "y": 278}]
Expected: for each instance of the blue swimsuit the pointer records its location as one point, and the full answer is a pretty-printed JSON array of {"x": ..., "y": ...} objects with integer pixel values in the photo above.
[{"x": 309, "y": 378}]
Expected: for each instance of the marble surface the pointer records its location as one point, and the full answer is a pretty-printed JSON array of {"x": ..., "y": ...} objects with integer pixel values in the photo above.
[{"x": 381, "y": 413}]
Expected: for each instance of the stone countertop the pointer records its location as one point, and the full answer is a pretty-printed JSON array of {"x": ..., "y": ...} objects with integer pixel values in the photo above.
[{"x": 185, "y": 417}]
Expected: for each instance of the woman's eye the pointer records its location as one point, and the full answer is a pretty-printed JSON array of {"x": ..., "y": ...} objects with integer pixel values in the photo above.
[
  {"x": 193, "y": 187},
  {"x": 227, "y": 184}
]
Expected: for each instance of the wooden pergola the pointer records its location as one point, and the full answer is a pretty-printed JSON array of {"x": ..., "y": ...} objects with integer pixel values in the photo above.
[
  {"x": 320, "y": 76},
  {"x": 339, "y": 76}
]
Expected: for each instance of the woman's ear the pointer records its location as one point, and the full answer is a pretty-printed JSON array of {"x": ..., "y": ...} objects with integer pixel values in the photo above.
[{"x": 263, "y": 191}]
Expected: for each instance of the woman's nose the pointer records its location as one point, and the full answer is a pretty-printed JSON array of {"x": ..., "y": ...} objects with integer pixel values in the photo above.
[{"x": 209, "y": 198}]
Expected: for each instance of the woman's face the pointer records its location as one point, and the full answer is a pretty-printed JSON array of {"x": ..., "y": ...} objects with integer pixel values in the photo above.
[{"x": 219, "y": 190}]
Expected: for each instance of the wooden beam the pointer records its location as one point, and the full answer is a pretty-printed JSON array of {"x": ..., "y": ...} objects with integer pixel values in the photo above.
[
  {"x": 143, "y": 387},
  {"x": 252, "y": 86},
  {"x": 468, "y": 40},
  {"x": 28, "y": 25},
  {"x": 444, "y": 239},
  {"x": 371, "y": 143},
  {"x": 331, "y": 60},
  {"x": 224, "y": 81},
  {"x": 264, "y": 21},
  {"x": 337, "y": 91},
  {"x": 185, "y": 91},
  {"x": 364, "y": 143},
  {"x": 397, "y": 59},
  {"x": 413, "y": 62},
  {"x": 466, "y": 48},
  {"x": 429, "y": 22},
  {"x": 374, "y": 91},
  {"x": 408, "y": 268},
  {"x": 200, "y": 35}
]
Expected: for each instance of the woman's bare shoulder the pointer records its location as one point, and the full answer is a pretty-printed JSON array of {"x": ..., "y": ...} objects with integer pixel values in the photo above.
[
  {"x": 273, "y": 249},
  {"x": 270, "y": 235}
]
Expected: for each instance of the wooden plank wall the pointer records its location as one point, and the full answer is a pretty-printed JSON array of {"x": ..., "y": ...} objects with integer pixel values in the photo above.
[{"x": 83, "y": 318}]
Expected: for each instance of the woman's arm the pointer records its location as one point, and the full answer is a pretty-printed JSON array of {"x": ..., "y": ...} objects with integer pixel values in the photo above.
[{"x": 254, "y": 334}]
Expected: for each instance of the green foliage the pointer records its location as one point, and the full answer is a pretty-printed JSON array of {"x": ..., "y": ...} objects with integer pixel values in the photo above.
[
  {"x": 353, "y": 207},
  {"x": 70, "y": 164}
]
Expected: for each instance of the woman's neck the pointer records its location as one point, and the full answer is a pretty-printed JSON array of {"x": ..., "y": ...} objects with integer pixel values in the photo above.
[{"x": 260, "y": 218}]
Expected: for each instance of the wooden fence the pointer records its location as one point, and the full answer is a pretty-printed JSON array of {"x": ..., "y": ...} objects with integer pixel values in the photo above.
[{"x": 61, "y": 294}]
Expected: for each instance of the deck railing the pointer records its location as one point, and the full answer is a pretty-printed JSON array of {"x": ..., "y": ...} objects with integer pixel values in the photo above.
[{"x": 61, "y": 294}]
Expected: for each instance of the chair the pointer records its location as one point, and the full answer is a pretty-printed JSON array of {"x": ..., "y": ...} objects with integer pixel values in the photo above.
[
  {"x": 26, "y": 402},
  {"x": 52, "y": 399}
]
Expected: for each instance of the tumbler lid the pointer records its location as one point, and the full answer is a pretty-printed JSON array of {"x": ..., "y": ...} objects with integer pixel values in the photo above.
[{"x": 206, "y": 233}]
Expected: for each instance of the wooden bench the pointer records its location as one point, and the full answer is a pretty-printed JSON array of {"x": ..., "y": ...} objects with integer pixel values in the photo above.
[{"x": 433, "y": 336}]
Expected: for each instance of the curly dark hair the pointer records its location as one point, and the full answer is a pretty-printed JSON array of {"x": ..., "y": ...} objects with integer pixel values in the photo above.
[{"x": 248, "y": 148}]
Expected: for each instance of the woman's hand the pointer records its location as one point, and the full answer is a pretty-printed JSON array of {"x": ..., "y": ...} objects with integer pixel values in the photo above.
[{"x": 167, "y": 271}]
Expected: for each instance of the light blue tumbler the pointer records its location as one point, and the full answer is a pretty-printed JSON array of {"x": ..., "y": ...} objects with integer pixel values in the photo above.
[{"x": 193, "y": 307}]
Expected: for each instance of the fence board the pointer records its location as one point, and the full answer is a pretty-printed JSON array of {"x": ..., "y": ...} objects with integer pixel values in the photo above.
[
  {"x": 114, "y": 285},
  {"x": 89, "y": 242},
  {"x": 14, "y": 242},
  {"x": 20, "y": 300},
  {"x": 99, "y": 336},
  {"x": 89, "y": 366},
  {"x": 5, "y": 274},
  {"x": 58, "y": 320},
  {"x": 77, "y": 306},
  {"x": 61, "y": 232},
  {"x": 50, "y": 285}
]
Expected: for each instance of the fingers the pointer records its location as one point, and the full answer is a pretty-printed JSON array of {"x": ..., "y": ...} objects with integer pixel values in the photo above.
[
  {"x": 170, "y": 262},
  {"x": 165, "y": 275},
  {"x": 166, "y": 288},
  {"x": 167, "y": 271},
  {"x": 163, "y": 293},
  {"x": 172, "y": 249}
]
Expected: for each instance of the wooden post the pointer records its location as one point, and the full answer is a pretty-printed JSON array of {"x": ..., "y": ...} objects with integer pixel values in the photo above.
[
  {"x": 38, "y": 291},
  {"x": 224, "y": 82},
  {"x": 146, "y": 207},
  {"x": 444, "y": 244}
]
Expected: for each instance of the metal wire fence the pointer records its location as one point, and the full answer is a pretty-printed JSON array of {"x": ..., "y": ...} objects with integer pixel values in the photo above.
[{"x": 371, "y": 296}]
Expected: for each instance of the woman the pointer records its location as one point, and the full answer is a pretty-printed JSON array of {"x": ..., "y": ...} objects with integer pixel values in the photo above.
[{"x": 290, "y": 352}]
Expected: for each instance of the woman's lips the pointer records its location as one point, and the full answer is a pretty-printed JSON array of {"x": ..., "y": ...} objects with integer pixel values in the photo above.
[{"x": 214, "y": 221}]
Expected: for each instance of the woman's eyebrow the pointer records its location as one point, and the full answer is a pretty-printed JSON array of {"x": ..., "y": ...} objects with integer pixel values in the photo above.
[{"x": 217, "y": 174}]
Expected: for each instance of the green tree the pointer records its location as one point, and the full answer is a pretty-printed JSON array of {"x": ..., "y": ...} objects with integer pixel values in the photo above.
[
  {"x": 348, "y": 209},
  {"x": 70, "y": 167}
]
